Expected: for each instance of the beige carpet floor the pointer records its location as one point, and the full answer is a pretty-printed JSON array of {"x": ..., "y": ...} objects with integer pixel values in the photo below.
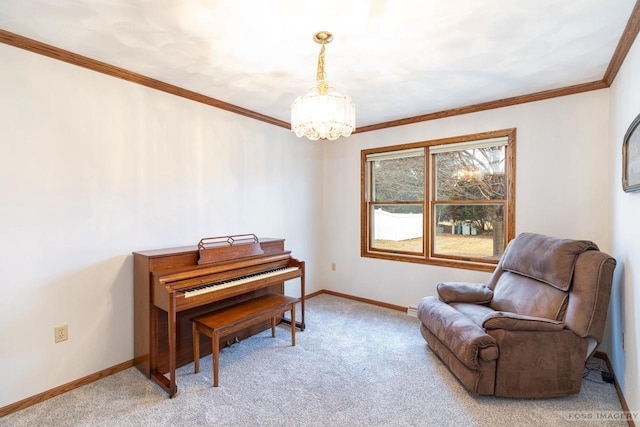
[{"x": 355, "y": 365}]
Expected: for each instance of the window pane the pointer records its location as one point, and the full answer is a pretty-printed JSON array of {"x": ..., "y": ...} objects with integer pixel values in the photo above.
[
  {"x": 473, "y": 174},
  {"x": 469, "y": 231},
  {"x": 397, "y": 227},
  {"x": 399, "y": 179}
]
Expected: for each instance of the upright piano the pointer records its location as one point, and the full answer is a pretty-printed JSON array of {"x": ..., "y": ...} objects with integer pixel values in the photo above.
[{"x": 173, "y": 285}]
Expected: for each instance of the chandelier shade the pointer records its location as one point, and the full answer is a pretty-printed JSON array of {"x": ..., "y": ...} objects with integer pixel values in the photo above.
[{"x": 323, "y": 113}]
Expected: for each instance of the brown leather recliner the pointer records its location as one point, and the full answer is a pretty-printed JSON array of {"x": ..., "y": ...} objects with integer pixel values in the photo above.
[{"x": 530, "y": 330}]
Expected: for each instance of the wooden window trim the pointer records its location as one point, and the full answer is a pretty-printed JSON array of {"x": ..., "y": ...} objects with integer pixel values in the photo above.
[{"x": 426, "y": 257}]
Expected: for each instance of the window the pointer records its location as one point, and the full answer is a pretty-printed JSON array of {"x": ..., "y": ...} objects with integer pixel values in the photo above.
[{"x": 446, "y": 202}]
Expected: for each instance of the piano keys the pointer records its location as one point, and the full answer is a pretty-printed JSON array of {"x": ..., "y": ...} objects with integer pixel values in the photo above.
[
  {"x": 224, "y": 284},
  {"x": 173, "y": 285}
]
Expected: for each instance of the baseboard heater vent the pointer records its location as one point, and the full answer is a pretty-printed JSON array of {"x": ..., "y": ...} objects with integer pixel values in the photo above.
[{"x": 412, "y": 311}]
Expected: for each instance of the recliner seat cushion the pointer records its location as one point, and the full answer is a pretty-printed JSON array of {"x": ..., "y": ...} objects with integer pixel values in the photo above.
[
  {"x": 476, "y": 312},
  {"x": 518, "y": 322}
]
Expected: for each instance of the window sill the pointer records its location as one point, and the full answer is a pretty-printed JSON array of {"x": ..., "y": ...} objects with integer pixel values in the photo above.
[{"x": 465, "y": 265}]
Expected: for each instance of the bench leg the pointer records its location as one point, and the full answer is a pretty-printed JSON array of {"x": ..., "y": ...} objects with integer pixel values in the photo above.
[
  {"x": 293, "y": 324},
  {"x": 196, "y": 347},
  {"x": 215, "y": 344}
]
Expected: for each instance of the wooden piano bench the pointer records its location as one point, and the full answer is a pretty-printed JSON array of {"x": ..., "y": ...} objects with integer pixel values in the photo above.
[{"x": 237, "y": 317}]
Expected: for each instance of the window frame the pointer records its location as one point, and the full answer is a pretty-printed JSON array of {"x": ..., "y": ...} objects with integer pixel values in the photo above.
[{"x": 428, "y": 204}]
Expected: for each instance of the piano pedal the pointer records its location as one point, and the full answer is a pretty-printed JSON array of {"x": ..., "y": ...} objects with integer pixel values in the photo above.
[{"x": 234, "y": 341}]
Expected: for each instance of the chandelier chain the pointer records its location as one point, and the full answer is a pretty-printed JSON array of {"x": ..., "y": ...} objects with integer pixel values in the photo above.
[{"x": 321, "y": 75}]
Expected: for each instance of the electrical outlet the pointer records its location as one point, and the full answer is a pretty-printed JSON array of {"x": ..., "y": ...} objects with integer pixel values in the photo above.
[
  {"x": 333, "y": 266},
  {"x": 60, "y": 333}
]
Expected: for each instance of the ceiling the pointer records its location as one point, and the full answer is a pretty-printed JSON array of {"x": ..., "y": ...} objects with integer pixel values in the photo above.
[{"x": 395, "y": 59}]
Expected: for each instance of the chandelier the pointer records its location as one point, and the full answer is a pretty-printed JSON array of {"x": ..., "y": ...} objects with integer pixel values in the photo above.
[{"x": 323, "y": 113}]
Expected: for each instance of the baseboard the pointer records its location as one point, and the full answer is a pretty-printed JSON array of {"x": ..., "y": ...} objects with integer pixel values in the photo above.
[
  {"x": 30, "y": 401},
  {"x": 605, "y": 357}
]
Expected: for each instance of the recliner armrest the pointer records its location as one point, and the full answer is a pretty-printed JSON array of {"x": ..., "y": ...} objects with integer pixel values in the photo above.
[
  {"x": 464, "y": 292},
  {"x": 518, "y": 322},
  {"x": 466, "y": 340}
]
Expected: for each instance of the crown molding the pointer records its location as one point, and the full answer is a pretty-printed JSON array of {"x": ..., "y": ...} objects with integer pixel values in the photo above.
[
  {"x": 111, "y": 70},
  {"x": 626, "y": 41},
  {"x": 506, "y": 102}
]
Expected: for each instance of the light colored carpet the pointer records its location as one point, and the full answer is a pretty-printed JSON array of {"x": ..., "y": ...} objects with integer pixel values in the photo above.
[{"x": 354, "y": 365}]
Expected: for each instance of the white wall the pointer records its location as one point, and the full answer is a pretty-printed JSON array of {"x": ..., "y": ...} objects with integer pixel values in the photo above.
[
  {"x": 624, "y": 316},
  {"x": 563, "y": 180},
  {"x": 93, "y": 168}
]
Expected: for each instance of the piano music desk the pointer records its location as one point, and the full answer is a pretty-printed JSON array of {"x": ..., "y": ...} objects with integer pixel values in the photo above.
[{"x": 237, "y": 317}]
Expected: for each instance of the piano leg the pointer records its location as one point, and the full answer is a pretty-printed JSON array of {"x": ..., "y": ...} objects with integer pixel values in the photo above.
[
  {"x": 173, "y": 389},
  {"x": 169, "y": 384},
  {"x": 302, "y": 293},
  {"x": 300, "y": 325}
]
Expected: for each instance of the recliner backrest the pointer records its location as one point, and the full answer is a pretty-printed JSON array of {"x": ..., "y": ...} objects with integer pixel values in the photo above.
[
  {"x": 519, "y": 294},
  {"x": 535, "y": 275}
]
